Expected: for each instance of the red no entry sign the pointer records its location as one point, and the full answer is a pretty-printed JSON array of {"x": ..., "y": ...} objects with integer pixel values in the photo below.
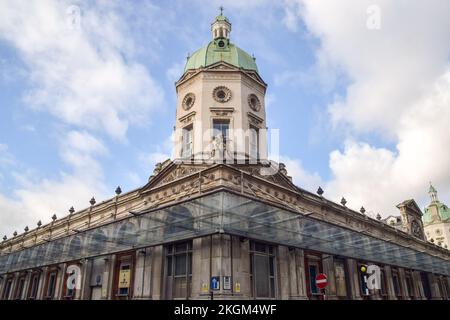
[{"x": 321, "y": 281}]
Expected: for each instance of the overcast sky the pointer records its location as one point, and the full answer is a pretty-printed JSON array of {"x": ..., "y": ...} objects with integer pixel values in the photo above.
[{"x": 360, "y": 91}]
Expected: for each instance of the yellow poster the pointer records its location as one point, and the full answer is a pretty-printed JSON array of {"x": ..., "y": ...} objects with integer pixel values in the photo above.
[
  {"x": 204, "y": 287},
  {"x": 124, "y": 279},
  {"x": 238, "y": 287}
]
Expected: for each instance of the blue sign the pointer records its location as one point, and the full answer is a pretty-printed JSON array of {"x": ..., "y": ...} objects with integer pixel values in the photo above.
[{"x": 215, "y": 283}]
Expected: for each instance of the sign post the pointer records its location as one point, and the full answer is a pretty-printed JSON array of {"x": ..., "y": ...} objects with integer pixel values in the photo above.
[{"x": 321, "y": 282}]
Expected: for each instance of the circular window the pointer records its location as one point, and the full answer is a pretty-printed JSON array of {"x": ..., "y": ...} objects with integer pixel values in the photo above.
[
  {"x": 254, "y": 103},
  {"x": 221, "y": 44},
  {"x": 188, "y": 101},
  {"x": 222, "y": 94}
]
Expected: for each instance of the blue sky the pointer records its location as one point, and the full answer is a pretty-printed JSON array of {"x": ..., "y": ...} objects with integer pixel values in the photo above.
[{"x": 359, "y": 90}]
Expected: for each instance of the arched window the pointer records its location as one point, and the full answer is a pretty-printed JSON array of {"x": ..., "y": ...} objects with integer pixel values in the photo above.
[
  {"x": 178, "y": 219},
  {"x": 261, "y": 221},
  {"x": 74, "y": 248},
  {"x": 126, "y": 236},
  {"x": 97, "y": 242}
]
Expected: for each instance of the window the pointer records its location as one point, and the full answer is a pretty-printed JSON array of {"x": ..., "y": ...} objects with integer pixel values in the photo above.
[
  {"x": 7, "y": 290},
  {"x": 19, "y": 289},
  {"x": 409, "y": 284},
  {"x": 254, "y": 142},
  {"x": 124, "y": 279},
  {"x": 262, "y": 270},
  {"x": 383, "y": 291},
  {"x": 122, "y": 288},
  {"x": 362, "y": 280},
  {"x": 179, "y": 270},
  {"x": 34, "y": 287},
  {"x": 425, "y": 285},
  {"x": 186, "y": 147},
  {"x": 396, "y": 283},
  {"x": 221, "y": 129},
  {"x": 340, "y": 275},
  {"x": 51, "y": 285}
]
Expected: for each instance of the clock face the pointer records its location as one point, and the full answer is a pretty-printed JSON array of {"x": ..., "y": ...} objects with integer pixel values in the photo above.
[
  {"x": 415, "y": 229},
  {"x": 188, "y": 101}
]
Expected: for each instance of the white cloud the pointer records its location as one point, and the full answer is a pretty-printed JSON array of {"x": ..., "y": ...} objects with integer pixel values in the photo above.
[
  {"x": 87, "y": 76},
  {"x": 399, "y": 89},
  {"x": 175, "y": 71},
  {"x": 300, "y": 176},
  {"x": 36, "y": 199},
  {"x": 83, "y": 75}
]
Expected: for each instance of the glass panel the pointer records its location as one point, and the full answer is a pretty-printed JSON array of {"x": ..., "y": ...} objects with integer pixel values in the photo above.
[
  {"x": 180, "y": 265},
  {"x": 232, "y": 213},
  {"x": 169, "y": 266},
  {"x": 312, "y": 279},
  {"x": 180, "y": 247},
  {"x": 271, "y": 265},
  {"x": 261, "y": 276},
  {"x": 362, "y": 282},
  {"x": 260, "y": 247},
  {"x": 51, "y": 285},
  {"x": 396, "y": 284}
]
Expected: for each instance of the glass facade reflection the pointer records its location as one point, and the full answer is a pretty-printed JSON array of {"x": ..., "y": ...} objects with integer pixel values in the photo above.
[{"x": 222, "y": 212}]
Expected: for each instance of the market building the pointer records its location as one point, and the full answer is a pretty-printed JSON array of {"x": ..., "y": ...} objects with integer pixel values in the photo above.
[{"x": 221, "y": 218}]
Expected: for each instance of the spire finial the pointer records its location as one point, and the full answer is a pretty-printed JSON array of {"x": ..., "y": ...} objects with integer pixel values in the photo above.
[
  {"x": 433, "y": 193},
  {"x": 221, "y": 10}
]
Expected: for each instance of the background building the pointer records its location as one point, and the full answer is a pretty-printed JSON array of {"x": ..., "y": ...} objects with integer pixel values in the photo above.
[{"x": 436, "y": 221}]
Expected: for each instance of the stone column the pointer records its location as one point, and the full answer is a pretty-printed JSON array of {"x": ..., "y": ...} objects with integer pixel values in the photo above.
[
  {"x": 355, "y": 291},
  {"x": 297, "y": 274},
  {"x": 417, "y": 283},
  {"x": 283, "y": 273},
  {"x": 328, "y": 269},
  {"x": 157, "y": 274},
  {"x": 142, "y": 278},
  {"x": 435, "y": 292},
  {"x": 402, "y": 279},
  {"x": 84, "y": 292},
  {"x": 447, "y": 279},
  {"x": 60, "y": 285},
  {"x": 200, "y": 268},
  {"x": 108, "y": 277},
  {"x": 389, "y": 283},
  {"x": 221, "y": 263},
  {"x": 42, "y": 279},
  {"x": 241, "y": 268},
  {"x": 26, "y": 285}
]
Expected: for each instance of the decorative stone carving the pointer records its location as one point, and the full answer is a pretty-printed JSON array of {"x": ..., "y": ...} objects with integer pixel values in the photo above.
[{"x": 221, "y": 94}]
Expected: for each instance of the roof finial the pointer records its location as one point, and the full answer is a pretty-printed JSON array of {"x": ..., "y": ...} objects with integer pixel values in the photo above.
[
  {"x": 221, "y": 10},
  {"x": 433, "y": 193}
]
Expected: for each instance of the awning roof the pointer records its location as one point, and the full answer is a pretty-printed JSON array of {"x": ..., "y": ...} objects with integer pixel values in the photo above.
[{"x": 223, "y": 212}]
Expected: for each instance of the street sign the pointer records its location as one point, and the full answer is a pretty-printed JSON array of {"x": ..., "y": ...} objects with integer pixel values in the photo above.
[
  {"x": 321, "y": 281},
  {"x": 215, "y": 283},
  {"x": 226, "y": 282}
]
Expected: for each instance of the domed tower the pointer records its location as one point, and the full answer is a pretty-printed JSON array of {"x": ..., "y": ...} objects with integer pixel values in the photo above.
[{"x": 220, "y": 103}]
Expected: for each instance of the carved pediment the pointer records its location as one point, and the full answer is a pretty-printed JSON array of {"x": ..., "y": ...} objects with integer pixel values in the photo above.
[{"x": 172, "y": 172}]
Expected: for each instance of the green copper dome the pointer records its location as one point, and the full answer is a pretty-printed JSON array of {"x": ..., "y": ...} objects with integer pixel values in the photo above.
[{"x": 213, "y": 53}]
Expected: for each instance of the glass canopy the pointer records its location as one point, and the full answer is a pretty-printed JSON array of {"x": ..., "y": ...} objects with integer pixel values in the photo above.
[{"x": 223, "y": 212}]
